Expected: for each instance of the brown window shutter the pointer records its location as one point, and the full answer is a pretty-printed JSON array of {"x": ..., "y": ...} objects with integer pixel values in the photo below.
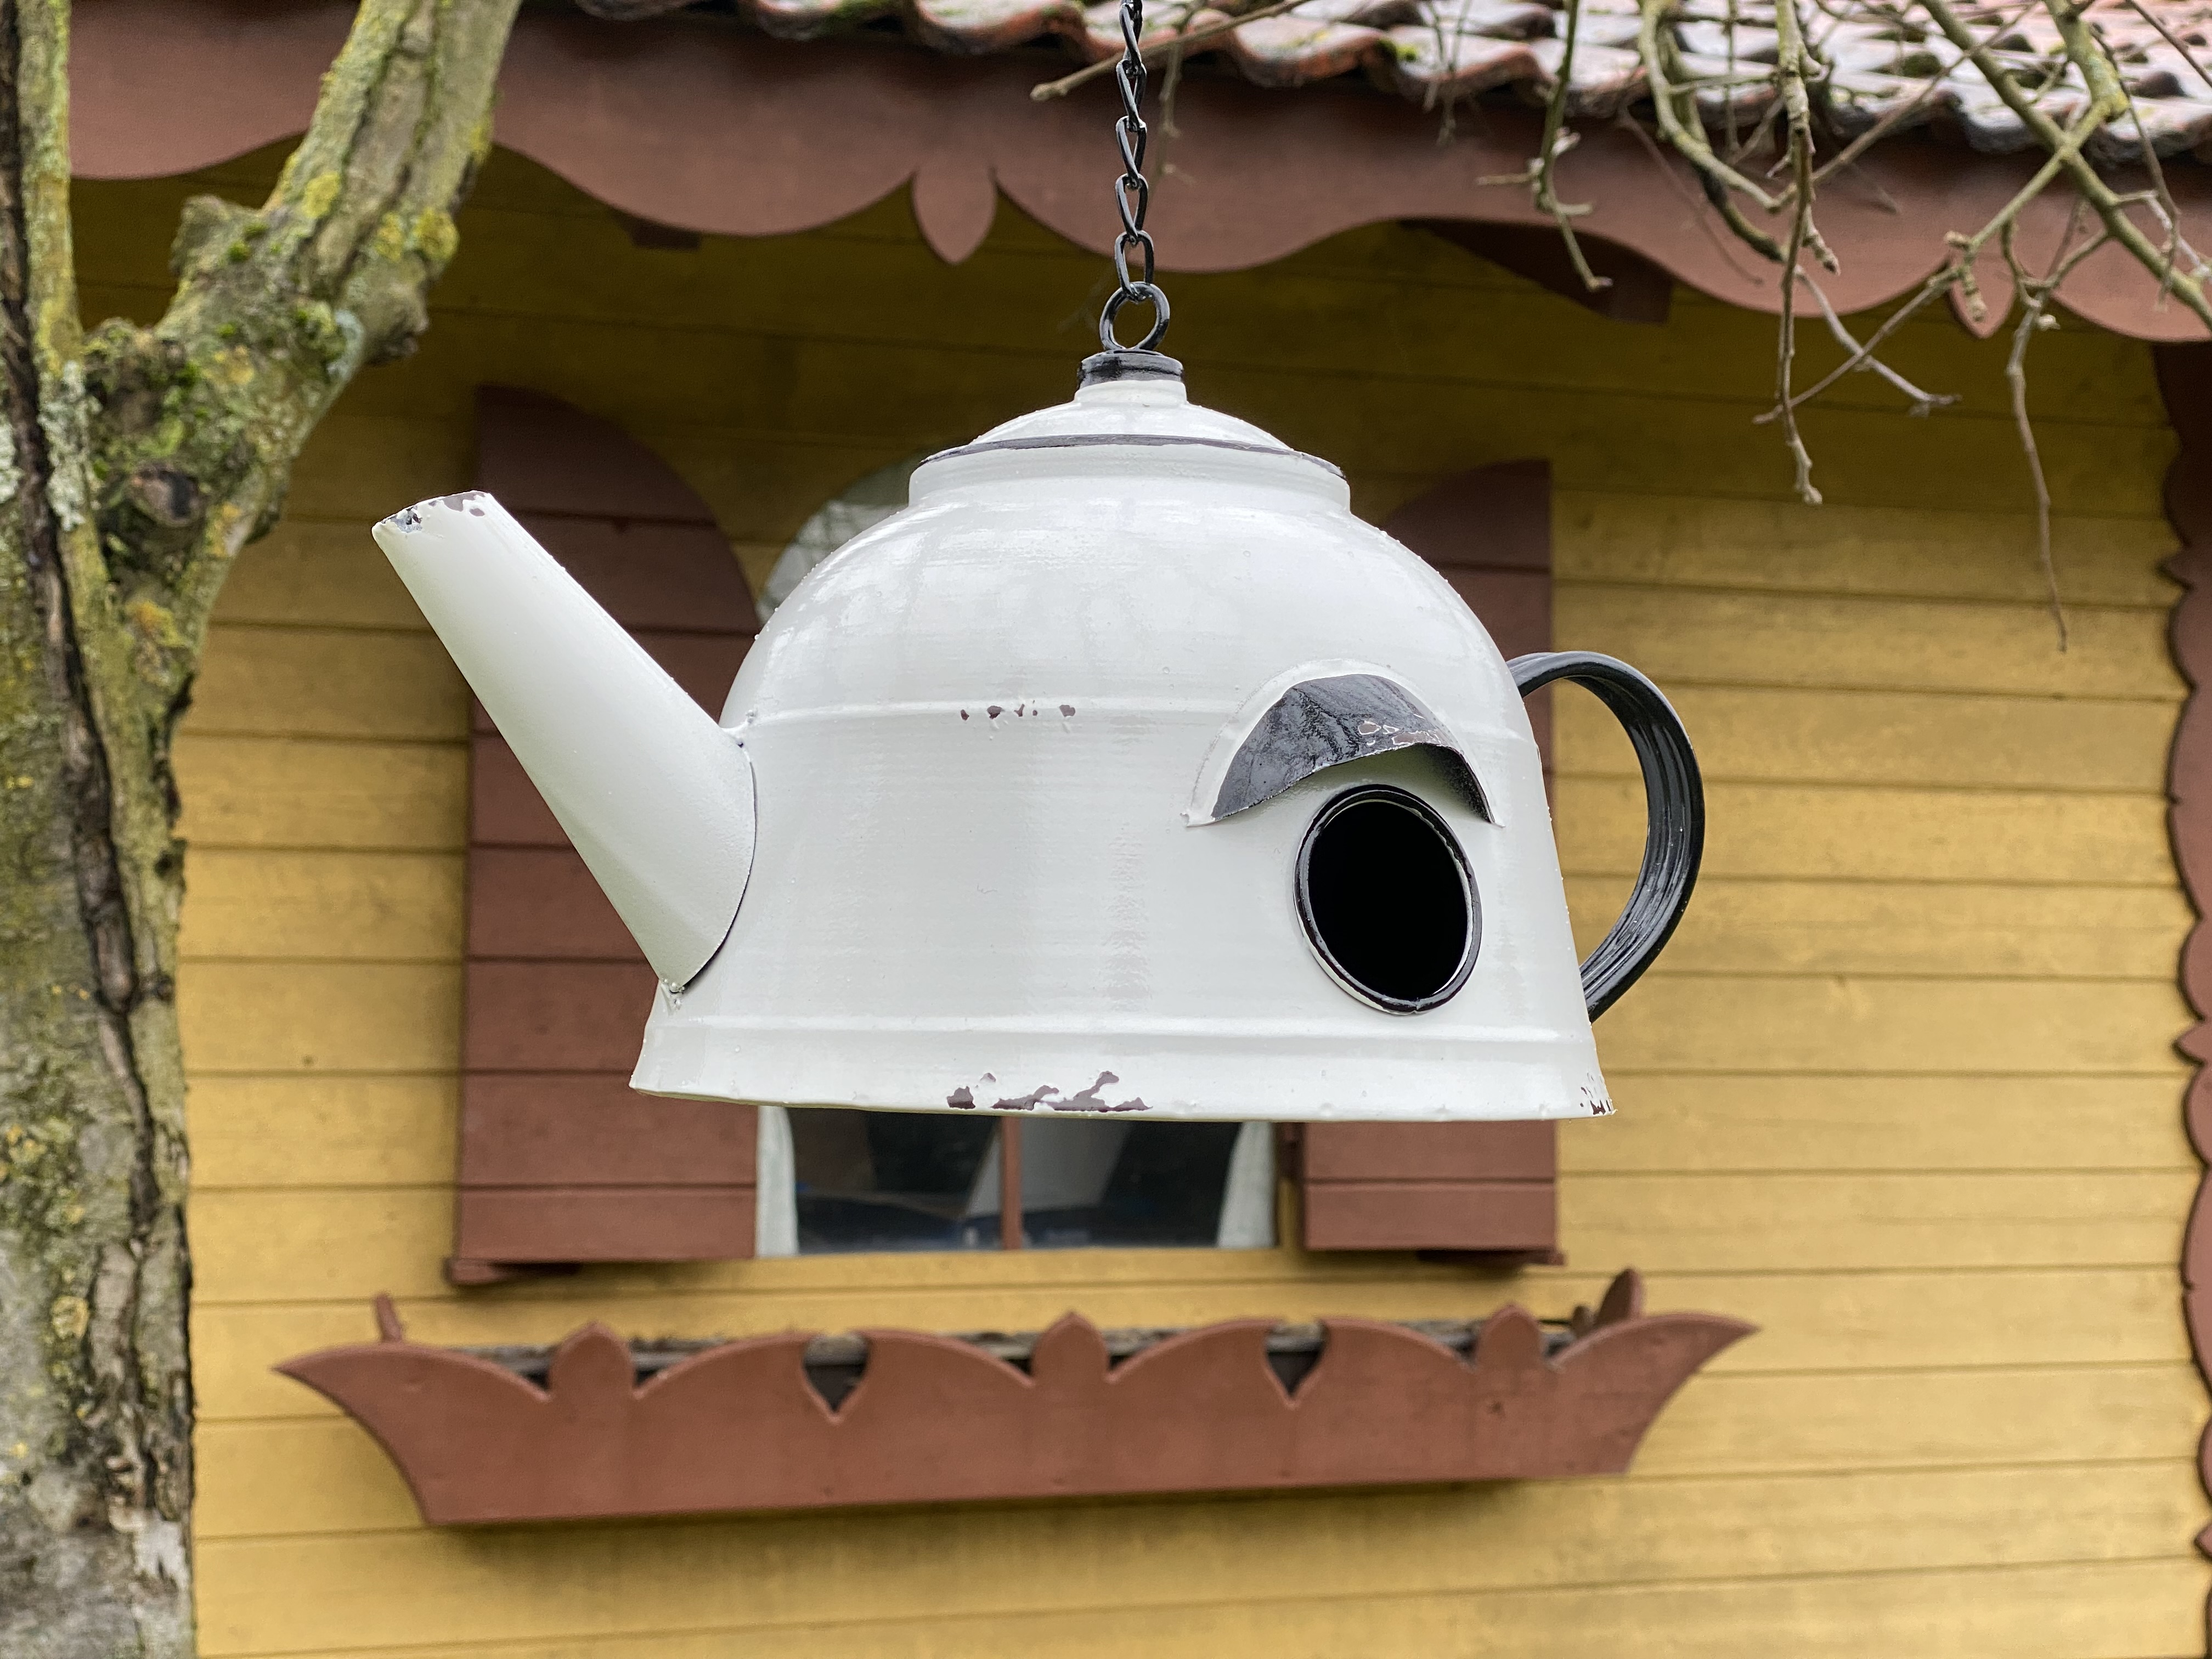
[
  {"x": 560, "y": 1161},
  {"x": 1484, "y": 1188}
]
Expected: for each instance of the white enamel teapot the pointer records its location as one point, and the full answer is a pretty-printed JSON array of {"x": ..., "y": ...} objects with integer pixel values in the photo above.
[{"x": 1123, "y": 771}]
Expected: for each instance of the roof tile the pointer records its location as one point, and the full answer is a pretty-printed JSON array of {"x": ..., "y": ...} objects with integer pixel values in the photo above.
[{"x": 1425, "y": 50}]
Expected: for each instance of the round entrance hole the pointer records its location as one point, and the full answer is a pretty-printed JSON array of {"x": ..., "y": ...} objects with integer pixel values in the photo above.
[{"x": 1385, "y": 896}]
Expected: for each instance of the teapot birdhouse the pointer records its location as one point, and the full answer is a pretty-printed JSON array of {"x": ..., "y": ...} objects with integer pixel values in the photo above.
[{"x": 1123, "y": 771}]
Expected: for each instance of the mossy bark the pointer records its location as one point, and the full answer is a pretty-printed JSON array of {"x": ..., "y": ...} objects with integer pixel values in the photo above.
[{"x": 135, "y": 463}]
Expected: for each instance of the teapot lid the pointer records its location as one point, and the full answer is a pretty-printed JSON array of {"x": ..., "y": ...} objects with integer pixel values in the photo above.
[{"x": 1130, "y": 398}]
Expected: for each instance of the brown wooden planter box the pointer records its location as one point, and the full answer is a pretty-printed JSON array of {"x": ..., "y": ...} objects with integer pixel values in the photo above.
[{"x": 744, "y": 1426}]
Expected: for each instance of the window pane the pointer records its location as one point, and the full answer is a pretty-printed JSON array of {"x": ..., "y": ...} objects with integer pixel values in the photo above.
[
  {"x": 914, "y": 1181},
  {"x": 1086, "y": 1182},
  {"x": 893, "y": 1181}
]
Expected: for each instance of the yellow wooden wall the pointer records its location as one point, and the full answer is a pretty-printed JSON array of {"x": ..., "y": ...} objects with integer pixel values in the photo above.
[{"x": 1901, "y": 1091}]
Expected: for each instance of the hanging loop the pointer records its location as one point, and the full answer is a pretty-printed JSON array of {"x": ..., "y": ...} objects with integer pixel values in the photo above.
[
  {"x": 1132, "y": 194},
  {"x": 1146, "y": 294}
]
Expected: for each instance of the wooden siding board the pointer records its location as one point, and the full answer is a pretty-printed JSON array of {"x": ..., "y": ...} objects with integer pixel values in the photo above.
[
  {"x": 261, "y": 1016},
  {"x": 604, "y": 1224},
  {"x": 292, "y": 793},
  {"x": 319, "y": 905},
  {"x": 1918, "y": 929},
  {"x": 1432, "y": 1152},
  {"x": 1843, "y": 1124},
  {"x": 1782, "y": 1025},
  {"x": 1694, "y": 544},
  {"x": 1818, "y": 830},
  {"x": 556, "y": 1016},
  {"x": 319, "y": 683},
  {"x": 505, "y": 807},
  {"x": 541, "y": 902},
  {"x": 583, "y": 1129},
  {"x": 1780, "y": 734},
  {"x": 324, "y": 1130},
  {"x": 650, "y": 576},
  {"x": 309, "y": 572},
  {"x": 1881, "y": 644},
  {"x": 1460, "y": 1215},
  {"x": 431, "y": 1590}
]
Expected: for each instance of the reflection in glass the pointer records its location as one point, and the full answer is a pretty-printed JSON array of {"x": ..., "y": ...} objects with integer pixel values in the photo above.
[
  {"x": 902, "y": 1180},
  {"x": 891, "y": 1181}
]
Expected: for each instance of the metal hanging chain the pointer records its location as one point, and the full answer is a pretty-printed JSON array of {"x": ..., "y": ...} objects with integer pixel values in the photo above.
[{"x": 1132, "y": 196}]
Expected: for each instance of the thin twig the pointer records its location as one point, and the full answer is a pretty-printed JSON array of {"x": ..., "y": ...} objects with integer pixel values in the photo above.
[
  {"x": 2168, "y": 210},
  {"x": 1046, "y": 90},
  {"x": 1790, "y": 71},
  {"x": 1170, "y": 85},
  {"x": 1721, "y": 246},
  {"x": 1923, "y": 403},
  {"x": 1556, "y": 142},
  {"x": 2173, "y": 40},
  {"x": 2035, "y": 294}
]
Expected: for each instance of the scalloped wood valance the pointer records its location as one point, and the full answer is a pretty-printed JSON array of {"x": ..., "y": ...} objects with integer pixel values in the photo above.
[{"x": 716, "y": 130}]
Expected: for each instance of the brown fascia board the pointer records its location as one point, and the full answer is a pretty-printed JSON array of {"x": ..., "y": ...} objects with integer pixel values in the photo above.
[
  {"x": 742, "y": 1426},
  {"x": 2184, "y": 376}
]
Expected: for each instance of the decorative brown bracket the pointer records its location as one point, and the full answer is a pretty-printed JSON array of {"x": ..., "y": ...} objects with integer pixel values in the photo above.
[{"x": 739, "y": 1425}]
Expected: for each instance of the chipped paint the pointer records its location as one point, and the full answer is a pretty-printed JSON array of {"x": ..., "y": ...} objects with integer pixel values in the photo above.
[{"x": 969, "y": 1096}]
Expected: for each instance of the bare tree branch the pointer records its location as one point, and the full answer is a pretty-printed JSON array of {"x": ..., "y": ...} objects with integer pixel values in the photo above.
[{"x": 2108, "y": 100}]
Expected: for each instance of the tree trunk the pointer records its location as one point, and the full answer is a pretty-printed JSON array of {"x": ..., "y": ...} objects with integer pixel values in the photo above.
[{"x": 134, "y": 465}]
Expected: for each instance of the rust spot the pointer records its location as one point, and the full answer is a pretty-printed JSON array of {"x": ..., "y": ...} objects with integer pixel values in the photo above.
[
  {"x": 963, "y": 713},
  {"x": 1068, "y": 710},
  {"x": 994, "y": 711}
]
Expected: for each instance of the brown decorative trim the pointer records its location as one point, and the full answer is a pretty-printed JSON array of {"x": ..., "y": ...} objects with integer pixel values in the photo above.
[
  {"x": 2184, "y": 376},
  {"x": 936, "y": 1420},
  {"x": 646, "y": 115}
]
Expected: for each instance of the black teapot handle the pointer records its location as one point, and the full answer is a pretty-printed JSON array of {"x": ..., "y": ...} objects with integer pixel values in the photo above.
[{"x": 1674, "y": 796}]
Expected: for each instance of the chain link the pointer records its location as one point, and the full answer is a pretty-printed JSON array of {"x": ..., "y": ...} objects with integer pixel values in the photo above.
[{"x": 1132, "y": 196}]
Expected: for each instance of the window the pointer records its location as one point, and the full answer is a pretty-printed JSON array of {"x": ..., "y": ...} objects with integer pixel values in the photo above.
[{"x": 927, "y": 1181}]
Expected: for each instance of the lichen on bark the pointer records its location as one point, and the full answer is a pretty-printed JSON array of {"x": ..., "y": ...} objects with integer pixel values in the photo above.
[{"x": 135, "y": 463}]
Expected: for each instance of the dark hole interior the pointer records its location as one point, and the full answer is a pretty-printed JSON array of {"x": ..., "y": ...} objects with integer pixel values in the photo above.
[{"x": 1385, "y": 897}]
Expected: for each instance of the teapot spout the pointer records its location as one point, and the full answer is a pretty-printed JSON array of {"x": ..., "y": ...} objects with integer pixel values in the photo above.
[{"x": 656, "y": 797}]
